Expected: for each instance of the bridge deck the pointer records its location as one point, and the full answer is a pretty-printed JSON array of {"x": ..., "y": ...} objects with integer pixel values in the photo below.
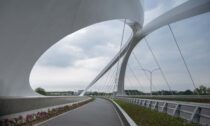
[{"x": 100, "y": 112}]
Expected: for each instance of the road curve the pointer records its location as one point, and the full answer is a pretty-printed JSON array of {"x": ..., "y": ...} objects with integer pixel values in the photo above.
[{"x": 100, "y": 112}]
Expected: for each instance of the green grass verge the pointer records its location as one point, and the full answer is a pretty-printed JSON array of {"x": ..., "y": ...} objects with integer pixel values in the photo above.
[{"x": 146, "y": 117}]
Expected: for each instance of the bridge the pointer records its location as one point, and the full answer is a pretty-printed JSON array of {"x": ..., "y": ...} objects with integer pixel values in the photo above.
[{"x": 29, "y": 28}]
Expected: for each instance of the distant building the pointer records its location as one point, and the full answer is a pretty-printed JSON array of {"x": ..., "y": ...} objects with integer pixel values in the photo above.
[
  {"x": 60, "y": 93},
  {"x": 79, "y": 92}
]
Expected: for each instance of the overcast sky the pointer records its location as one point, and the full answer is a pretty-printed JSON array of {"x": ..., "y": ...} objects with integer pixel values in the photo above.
[{"x": 73, "y": 62}]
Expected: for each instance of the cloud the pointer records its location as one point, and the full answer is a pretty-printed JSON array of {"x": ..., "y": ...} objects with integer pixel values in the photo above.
[
  {"x": 79, "y": 56},
  {"x": 194, "y": 43},
  {"x": 92, "y": 63},
  {"x": 52, "y": 76},
  {"x": 102, "y": 39},
  {"x": 74, "y": 61}
]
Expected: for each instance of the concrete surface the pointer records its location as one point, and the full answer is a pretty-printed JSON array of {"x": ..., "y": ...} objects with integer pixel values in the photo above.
[
  {"x": 29, "y": 27},
  {"x": 11, "y": 105}
]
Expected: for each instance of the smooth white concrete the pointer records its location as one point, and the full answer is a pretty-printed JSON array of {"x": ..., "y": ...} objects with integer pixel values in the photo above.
[
  {"x": 183, "y": 11},
  {"x": 29, "y": 27},
  {"x": 186, "y": 10}
]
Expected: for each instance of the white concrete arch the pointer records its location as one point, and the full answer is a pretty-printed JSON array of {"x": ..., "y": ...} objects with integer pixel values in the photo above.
[
  {"x": 186, "y": 10},
  {"x": 29, "y": 27},
  {"x": 183, "y": 11}
]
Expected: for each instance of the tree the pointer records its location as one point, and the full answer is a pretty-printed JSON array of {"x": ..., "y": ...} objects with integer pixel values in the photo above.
[
  {"x": 208, "y": 91},
  {"x": 40, "y": 91},
  {"x": 202, "y": 90},
  {"x": 188, "y": 92}
]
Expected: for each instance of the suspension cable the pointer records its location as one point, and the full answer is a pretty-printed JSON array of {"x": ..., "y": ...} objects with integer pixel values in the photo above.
[
  {"x": 141, "y": 66},
  {"x": 111, "y": 80},
  {"x": 131, "y": 84},
  {"x": 139, "y": 63},
  {"x": 134, "y": 75},
  {"x": 130, "y": 91},
  {"x": 158, "y": 64},
  {"x": 105, "y": 83},
  {"x": 183, "y": 59},
  {"x": 121, "y": 41}
]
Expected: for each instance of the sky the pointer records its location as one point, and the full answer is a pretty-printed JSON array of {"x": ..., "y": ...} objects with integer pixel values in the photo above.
[{"x": 74, "y": 61}]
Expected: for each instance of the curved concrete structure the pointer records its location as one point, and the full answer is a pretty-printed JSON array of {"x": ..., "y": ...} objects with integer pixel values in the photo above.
[
  {"x": 183, "y": 11},
  {"x": 186, "y": 10},
  {"x": 29, "y": 27},
  {"x": 17, "y": 105}
]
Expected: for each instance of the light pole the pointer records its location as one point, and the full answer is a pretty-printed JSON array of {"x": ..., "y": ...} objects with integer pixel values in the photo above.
[{"x": 150, "y": 72}]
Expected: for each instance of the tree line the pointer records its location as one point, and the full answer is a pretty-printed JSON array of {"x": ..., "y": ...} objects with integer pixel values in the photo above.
[{"x": 201, "y": 90}]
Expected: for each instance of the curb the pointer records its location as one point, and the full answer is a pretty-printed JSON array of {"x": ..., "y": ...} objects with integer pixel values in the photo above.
[
  {"x": 126, "y": 119},
  {"x": 126, "y": 116}
]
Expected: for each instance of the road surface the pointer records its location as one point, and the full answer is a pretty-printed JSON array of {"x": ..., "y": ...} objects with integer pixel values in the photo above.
[{"x": 100, "y": 112}]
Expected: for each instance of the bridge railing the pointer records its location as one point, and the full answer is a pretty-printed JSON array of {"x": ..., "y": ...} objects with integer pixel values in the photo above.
[{"x": 192, "y": 112}]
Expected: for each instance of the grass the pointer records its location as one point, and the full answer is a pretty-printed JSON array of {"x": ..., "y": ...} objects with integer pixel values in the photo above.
[{"x": 146, "y": 117}]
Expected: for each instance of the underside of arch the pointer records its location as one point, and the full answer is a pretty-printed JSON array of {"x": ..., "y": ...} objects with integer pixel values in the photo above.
[{"x": 30, "y": 27}]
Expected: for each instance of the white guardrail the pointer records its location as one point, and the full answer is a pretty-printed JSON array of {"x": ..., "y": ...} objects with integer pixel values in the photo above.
[{"x": 192, "y": 112}]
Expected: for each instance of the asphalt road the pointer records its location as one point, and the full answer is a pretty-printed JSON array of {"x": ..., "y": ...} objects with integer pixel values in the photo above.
[{"x": 100, "y": 112}]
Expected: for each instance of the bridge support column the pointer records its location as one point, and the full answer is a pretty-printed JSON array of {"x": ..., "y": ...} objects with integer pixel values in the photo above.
[
  {"x": 183, "y": 11},
  {"x": 186, "y": 10},
  {"x": 134, "y": 41}
]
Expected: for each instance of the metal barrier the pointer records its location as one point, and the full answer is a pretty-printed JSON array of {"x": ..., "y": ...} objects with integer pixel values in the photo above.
[{"x": 192, "y": 112}]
